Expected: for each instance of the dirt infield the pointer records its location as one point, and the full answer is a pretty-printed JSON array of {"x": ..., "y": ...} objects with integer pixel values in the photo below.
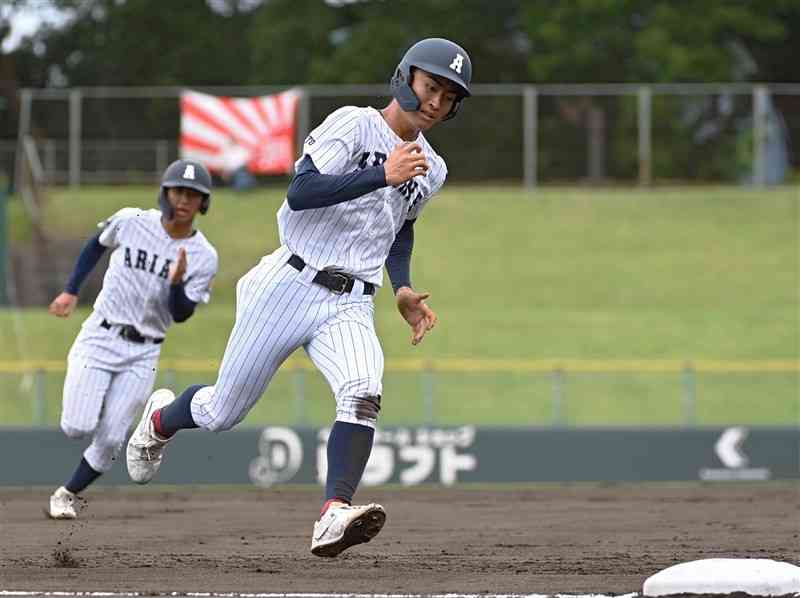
[{"x": 543, "y": 539}]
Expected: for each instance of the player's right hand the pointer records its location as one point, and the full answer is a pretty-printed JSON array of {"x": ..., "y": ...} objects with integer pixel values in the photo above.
[
  {"x": 405, "y": 162},
  {"x": 63, "y": 305},
  {"x": 178, "y": 269}
]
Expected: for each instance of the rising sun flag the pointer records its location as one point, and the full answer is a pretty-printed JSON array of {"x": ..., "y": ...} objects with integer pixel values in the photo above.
[{"x": 226, "y": 133}]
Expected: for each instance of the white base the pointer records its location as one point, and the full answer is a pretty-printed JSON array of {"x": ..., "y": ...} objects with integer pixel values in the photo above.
[{"x": 758, "y": 577}]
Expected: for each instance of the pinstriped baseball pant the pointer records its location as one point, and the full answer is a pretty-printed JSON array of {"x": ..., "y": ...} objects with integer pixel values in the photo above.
[
  {"x": 108, "y": 380},
  {"x": 278, "y": 310}
]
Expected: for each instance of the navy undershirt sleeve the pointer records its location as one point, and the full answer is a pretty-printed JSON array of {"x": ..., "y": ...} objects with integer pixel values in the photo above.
[
  {"x": 398, "y": 263},
  {"x": 87, "y": 260},
  {"x": 311, "y": 189},
  {"x": 180, "y": 306}
]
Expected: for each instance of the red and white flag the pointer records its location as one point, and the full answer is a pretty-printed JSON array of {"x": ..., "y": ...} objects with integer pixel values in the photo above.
[{"x": 226, "y": 133}]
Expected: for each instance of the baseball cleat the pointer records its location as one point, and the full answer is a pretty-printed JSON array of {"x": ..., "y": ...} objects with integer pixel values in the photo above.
[
  {"x": 344, "y": 526},
  {"x": 145, "y": 447},
  {"x": 62, "y": 505}
]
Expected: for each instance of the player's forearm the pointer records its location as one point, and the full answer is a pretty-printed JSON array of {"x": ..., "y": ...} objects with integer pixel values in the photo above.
[
  {"x": 87, "y": 260},
  {"x": 398, "y": 263},
  {"x": 311, "y": 189},
  {"x": 180, "y": 306}
]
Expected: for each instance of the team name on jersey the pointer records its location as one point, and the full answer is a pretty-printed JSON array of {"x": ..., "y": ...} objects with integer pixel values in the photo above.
[
  {"x": 147, "y": 262},
  {"x": 407, "y": 189}
]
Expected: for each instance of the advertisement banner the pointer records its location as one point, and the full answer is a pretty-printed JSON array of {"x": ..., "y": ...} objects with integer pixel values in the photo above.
[{"x": 446, "y": 456}]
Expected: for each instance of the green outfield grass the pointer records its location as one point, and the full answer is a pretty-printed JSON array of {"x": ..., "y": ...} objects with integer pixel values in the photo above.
[{"x": 684, "y": 274}]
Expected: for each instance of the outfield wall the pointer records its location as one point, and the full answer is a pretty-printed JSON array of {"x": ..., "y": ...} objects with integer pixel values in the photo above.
[{"x": 447, "y": 456}]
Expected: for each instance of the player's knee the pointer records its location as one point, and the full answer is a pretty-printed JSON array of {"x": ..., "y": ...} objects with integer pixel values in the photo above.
[
  {"x": 364, "y": 408},
  {"x": 219, "y": 409},
  {"x": 73, "y": 430},
  {"x": 219, "y": 422}
]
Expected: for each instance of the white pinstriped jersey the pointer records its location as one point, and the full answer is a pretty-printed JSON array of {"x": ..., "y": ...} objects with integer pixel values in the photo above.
[
  {"x": 355, "y": 236},
  {"x": 136, "y": 283}
]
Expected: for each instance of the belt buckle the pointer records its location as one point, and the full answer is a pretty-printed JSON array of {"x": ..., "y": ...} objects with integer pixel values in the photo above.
[
  {"x": 131, "y": 334},
  {"x": 339, "y": 289}
]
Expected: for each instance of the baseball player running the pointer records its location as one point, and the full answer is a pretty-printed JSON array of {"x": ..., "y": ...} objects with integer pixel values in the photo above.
[
  {"x": 159, "y": 270},
  {"x": 362, "y": 180}
]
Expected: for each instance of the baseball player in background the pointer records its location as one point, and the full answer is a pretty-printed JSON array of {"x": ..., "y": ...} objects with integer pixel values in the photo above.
[
  {"x": 161, "y": 267},
  {"x": 362, "y": 180}
]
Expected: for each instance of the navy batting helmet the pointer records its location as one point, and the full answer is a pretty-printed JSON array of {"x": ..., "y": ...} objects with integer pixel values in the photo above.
[
  {"x": 185, "y": 173},
  {"x": 439, "y": 57}
]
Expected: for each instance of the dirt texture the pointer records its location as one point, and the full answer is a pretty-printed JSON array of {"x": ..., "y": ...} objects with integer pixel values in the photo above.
[{"x": 572, "y": 538}]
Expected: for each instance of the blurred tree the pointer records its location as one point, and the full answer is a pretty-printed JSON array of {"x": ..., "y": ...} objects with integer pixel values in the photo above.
[
  {"x": 645, "y": 40},
  {"x": 326, "y": 42},
  {"x": 146, "y": 42},
  {"x": 656, "y": 41},
  {"x": 118, "y": 42},
  {"x": 289, "y": 42}
]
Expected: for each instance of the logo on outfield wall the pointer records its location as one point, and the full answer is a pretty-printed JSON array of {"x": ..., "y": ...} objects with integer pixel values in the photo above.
[
  {"x": 406, "y": 455},
  {"x": 413, "y": 456},
  {"x": 279, "y": 459},
  {"x": 728, "y": 450}
]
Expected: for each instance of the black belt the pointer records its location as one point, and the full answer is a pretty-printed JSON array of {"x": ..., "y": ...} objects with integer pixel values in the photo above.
[
  {"x": 336, "y": 282},
  {"x": 130, "y": 333}
]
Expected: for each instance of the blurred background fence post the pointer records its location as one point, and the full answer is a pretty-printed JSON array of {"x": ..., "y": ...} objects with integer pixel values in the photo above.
[
  {"x": 644, "y": 116},
  {"x": 760, "y": 115},
  {"x": 75, "y": 125},
  {"x": 25, "y": 105},
  {"x": 530, "y": 129}
]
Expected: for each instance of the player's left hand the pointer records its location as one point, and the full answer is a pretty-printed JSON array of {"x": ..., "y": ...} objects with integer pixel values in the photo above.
[
  {"x": 178, "y": 269},
  {"x": 416, "y": 312},
  {"x": 63, "y": 305}
]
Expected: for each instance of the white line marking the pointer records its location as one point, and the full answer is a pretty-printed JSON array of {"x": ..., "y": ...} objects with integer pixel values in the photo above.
[{"x": 21, "y": 594}]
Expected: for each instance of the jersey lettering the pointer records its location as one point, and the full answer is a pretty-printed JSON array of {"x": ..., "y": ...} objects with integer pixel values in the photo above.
[
  {"x": 378, "y": 159},
  {"x": 458, "y": 63},
  {"x": 142, "y": 258},
  {"x": 188, "y": 173},
  {"x": 408, "y": 188},
  {"x": 165, "y": 270},
  {"x": 414, "y": 203}
]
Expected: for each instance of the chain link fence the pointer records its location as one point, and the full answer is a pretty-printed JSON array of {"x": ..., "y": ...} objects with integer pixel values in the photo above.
[
  {"x": 549, "y": 134},
  {"x": 456, "y": 392}
]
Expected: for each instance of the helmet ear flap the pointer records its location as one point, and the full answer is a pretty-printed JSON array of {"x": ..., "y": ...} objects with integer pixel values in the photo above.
[
  {"x": 163, "y": 204},
  {"x": 401, "y": 88}
]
